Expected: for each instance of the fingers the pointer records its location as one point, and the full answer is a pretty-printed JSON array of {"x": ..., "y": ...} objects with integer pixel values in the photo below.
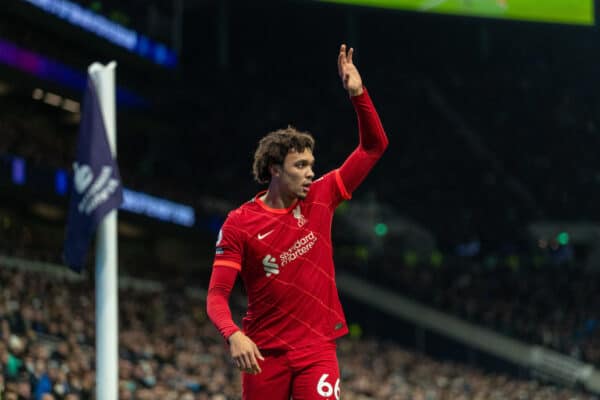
[
  {"x": 344, "y": 58},
  {"x": 250, "y": 364},
  {"x": 257, "y": 353},
  {"x": 341, "y": 59},
  {"x": 245, "y": 364},
  {"x": 248, "y": 360},
  {"x": 254, "y": 364},
  {"x": 244, "y": 353}
]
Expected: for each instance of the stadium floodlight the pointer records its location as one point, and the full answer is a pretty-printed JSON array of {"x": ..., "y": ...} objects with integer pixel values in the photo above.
[
  {"x": 37, "y": 94},
  {"x": 70, "y": 105},
  {"x": 52, "y": 99}
]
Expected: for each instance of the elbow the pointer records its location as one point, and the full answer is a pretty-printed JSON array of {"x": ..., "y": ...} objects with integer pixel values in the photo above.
[
  {"x": 384, "y": 144},
  {"x": 377, "y": 149}
]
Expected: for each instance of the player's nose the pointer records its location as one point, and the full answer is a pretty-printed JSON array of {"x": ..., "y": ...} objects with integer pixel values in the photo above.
[{"x": 310, "y": 174}]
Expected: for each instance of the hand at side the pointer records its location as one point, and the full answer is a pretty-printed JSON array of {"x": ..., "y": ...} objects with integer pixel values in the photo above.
[{"x": 245, "y": 353}]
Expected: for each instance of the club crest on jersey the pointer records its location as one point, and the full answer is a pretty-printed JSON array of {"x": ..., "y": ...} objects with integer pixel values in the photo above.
[{"x": 297, "y": 212}]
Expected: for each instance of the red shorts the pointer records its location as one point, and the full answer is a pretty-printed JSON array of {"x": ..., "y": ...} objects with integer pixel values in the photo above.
[{"x": 310, "y": 373}]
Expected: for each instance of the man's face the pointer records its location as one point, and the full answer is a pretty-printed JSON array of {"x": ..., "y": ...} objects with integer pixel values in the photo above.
[{"x": 296, "y": 174}]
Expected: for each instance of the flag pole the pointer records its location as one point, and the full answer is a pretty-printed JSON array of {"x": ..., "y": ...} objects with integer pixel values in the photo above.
[{"x": 107, "y": 341}]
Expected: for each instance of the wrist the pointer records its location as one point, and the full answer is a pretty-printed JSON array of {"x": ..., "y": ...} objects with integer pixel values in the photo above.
[
  {"x": 233, "y": 336},
  {"x": 356, "y": 92}
]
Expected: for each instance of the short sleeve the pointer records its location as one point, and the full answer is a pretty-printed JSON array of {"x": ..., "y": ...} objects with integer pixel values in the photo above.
[{"x": 230, "y": 244}]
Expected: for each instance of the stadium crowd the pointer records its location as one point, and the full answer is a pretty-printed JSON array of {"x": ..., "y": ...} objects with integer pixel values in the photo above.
[
  {"x": 520, "y": 302},
  {"x": 483, "y": 134},
  {"x": 517, "y": 301},
  {"x": 550, "y": 305},
  {"x": 448, "y": 182},
  {"x": 168, "y": 350}
]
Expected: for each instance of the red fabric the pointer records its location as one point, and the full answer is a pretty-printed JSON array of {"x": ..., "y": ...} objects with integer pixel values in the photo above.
[
  {"x": 287, "y": 268},
  {"x": 310, "y": 373},
  {"x": 373, "y": 142},
  {"x": 217, "y": 301},
  {"x": 286, "y": 258}
]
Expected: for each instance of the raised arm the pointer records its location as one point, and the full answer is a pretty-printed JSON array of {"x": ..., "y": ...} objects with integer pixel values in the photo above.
[{"x": 373, "y": 140}]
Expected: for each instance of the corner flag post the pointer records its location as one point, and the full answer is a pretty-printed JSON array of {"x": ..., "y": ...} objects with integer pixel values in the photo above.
[{"x": 107, "y": 339}]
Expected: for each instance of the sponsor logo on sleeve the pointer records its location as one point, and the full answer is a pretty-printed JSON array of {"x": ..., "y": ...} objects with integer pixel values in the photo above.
[{"x": 219, "y": 237}]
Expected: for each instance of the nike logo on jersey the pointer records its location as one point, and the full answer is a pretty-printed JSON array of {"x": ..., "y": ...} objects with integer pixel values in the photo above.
[{"x": 261, "y": 236}]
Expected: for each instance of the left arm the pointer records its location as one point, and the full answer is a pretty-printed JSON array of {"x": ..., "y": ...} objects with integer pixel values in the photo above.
[{"x": 373, "y": 140}]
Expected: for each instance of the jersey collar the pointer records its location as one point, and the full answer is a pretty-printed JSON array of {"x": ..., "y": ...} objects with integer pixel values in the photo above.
[{"x": 262, "y": 204}]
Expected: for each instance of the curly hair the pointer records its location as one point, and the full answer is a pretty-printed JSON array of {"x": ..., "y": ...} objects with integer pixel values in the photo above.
[{"x": 273, "y": 148}]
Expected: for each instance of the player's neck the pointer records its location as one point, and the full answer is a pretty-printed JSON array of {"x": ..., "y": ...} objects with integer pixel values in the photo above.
[{"x": 276, "y": 198}]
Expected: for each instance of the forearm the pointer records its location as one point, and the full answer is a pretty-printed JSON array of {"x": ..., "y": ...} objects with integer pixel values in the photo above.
[
  {"x": 373, "y": 142},
  {"x": 217, "y": 301},
  {"x": 372, "y": 135}
]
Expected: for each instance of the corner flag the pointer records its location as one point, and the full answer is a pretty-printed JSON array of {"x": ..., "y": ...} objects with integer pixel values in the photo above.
[{"x": 97, "y": 187}]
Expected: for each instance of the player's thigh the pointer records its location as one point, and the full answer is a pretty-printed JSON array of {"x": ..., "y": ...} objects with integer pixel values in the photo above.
[
  {"x": 273, "y": 383},
  {"x": 320, "y": 380}
]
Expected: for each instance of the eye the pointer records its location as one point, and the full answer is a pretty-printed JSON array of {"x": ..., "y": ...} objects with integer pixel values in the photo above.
[{"x": 304, "y": 164}]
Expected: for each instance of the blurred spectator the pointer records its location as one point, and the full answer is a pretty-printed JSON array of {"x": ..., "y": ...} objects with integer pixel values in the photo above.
[{"x": 185, "y": 358}]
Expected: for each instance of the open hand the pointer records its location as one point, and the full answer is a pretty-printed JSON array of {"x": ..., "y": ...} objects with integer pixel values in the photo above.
[{"x": 348, "y": 72}]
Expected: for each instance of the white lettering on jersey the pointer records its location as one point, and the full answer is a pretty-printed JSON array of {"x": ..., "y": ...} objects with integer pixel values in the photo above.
[{"x": 299, "y": 248}]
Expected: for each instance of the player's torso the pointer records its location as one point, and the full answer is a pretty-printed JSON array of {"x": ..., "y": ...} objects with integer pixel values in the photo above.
[
  {"x": 289, "y": 275},
  {"x": 291, "y": 246}
]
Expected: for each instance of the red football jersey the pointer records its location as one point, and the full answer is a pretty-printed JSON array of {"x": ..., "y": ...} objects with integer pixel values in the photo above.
[{"x": 285, "y": 259}]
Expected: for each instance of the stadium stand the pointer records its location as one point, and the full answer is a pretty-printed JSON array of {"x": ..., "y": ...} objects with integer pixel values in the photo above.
[
  {"x": 169, "y": 350},
  {"x": 492, "y": 127}
]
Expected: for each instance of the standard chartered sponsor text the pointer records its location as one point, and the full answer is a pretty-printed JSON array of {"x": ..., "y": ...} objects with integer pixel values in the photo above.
[{"x": 299, "y": 248}]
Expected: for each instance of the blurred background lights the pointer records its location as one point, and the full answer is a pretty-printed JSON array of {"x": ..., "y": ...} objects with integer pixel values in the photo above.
[{"x": 381, "y": 229}]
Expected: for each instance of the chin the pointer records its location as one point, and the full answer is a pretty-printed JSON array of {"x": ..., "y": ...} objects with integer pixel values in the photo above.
[{"x": 301, "y": 196}]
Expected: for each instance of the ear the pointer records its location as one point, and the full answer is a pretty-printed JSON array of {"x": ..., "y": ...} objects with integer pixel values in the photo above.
[{"x": 275, "y": 170}]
